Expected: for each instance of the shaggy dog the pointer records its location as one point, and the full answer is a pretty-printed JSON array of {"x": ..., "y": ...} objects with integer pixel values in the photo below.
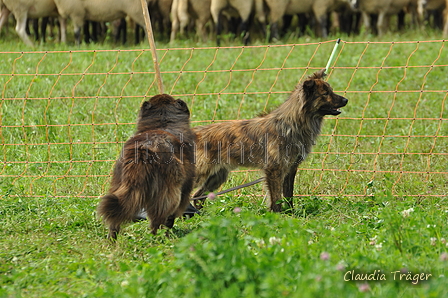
[
  {"x": 276, "y": 142},
  {"x": 156, "y": 169}
]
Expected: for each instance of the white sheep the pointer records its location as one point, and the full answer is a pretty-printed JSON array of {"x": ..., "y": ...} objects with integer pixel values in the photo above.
[
  {"x": 434, "y": 8},
  {"x": 413, "y": 9},
  {"x": 319, "y": 8},
  {"x": 243, "y": 8},
  {"x": 398, "y": 7},
  {"x": 375, "y": 7},
  {"x": 382, "y": 8},
  {"x": 164, "y": 8},
  {"x": 100, "y": 11},
  {"x": 24, "y": 9},
  {"x": 183, "y": 10},
  {"x": 425, "y": 5}
]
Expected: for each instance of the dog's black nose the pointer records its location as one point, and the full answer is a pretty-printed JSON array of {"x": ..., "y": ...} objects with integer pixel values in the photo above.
[{"x": 344, "y": 101}]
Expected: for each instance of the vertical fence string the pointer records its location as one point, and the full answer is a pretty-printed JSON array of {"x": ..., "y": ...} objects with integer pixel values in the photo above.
[{"x": 152, "y": 44}]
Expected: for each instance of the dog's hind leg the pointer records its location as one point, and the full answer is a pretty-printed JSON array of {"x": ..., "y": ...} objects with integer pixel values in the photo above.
[
  {"x": 187, "y": 187},
  {"x": 170, "y": 221},
  {"x": 113, "y": 231},
  {"x": 161, "y": 217},
  {"x": 184, "y": 202},
  {"x": 163, "y": 207},
  {"x": 157, "y": 222},
  {"x": 213, "y": 182},
  {"x": 274, "y": 179},
  {"x": 288, "y": 186}
]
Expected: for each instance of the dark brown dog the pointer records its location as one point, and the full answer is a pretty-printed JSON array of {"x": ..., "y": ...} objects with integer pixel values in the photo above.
[
  {"x": 276, "y": 143},
  {"x": 156, "y": 169}
]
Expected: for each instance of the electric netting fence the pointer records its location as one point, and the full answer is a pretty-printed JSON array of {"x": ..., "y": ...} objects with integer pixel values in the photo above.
[{"x": 66, "y": 114}]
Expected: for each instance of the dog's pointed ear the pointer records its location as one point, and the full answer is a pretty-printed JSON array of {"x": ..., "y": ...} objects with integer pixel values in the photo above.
[
  {"x": 320, "y": 74},
  {"x": 181, "y": 104},
  {"x": 308, "y": 86},
  {"x": 146, "y": 105}
]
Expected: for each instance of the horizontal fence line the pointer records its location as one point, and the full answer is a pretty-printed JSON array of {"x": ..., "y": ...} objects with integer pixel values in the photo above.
[
  {"x": 176, "y": 49},
  {"x": 215, "y": 93},
  {"x": 241, "y": 195},
  {"x": 396, "y": 42},
  {"x": 315, "y": 153},
  {"x": 215, "y": 71},
  {"x": 322, "y": 135},
  {"x": 233, "y": 47},
  {"x": 386, "y": 136},
  {"x": 205, "y": 121},
  {"x": 300, "y": 169}
]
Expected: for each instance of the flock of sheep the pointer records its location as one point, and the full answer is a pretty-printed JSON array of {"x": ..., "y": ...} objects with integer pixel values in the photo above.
[{"x": 242, "y": 16}]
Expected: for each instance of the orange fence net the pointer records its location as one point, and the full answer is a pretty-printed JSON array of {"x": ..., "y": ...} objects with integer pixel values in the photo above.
[{"x": 66, "y": 114}]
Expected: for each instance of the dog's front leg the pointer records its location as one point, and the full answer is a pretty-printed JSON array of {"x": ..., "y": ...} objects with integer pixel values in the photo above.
[{"x": 274, "y": 180}]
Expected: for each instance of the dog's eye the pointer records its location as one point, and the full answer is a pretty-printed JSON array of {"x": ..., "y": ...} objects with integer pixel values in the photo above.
[{"x": 325, "y": 94}]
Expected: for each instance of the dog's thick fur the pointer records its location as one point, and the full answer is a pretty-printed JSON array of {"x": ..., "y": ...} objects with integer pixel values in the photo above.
[
  {"x": 276, "y": 142},
  {"x": 156, "y": 169}
]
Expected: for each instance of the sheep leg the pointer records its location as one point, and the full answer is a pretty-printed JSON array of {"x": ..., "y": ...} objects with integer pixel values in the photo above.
[
  {"x": 245, "y": 11},
  {"x": 200, "y": 25},
  {"x": 215, "y": 10},
  {"x": 21, "y": 19},
  {"x": 323, "y": 25},
  {"x": 63, "y": 29},
  {"x": 274, "y": 31},
  {"x": 121, "y": 31},
  {"x": 380, "y": 23},
  {"x": 43, "y": 28},
  {"x": 4, "y": 17},
  {"x": 366, "y": 18},
  {"x": 218, "y": 29},
  {"x": 78, "y": 35},
  {"x": 36, "y": 29},
  {"x": 320, "y": 12},
  {"x": 77, "y": 17},
  {"x": 183, "y": 16},
  {"x": 445, "y": 28},
  {"x": 175, "y": 20},
  {"x": 86, "y": 29},
  {"x": 245, "y": 32}
]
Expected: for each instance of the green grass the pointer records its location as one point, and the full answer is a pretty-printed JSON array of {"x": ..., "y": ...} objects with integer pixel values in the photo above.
[
  {"x": 54, "y": 248},
  {"x": 65, "y": 115}
]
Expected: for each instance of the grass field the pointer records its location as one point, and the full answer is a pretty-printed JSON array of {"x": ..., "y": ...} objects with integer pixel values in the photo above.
[{"x": 370, "y": 200}]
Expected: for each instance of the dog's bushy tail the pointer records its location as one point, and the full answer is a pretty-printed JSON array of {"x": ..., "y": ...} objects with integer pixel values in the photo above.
[
  {"x": 114, "y": 213},
  {"x": 109, "y": 207}
]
